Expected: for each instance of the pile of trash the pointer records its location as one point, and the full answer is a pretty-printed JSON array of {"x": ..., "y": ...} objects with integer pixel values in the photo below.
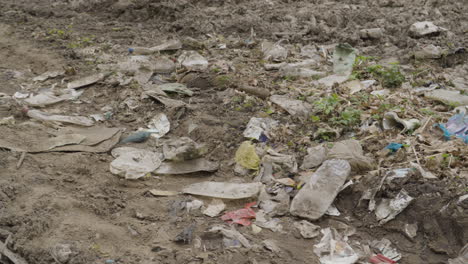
[{"x": 310, "y": 152}]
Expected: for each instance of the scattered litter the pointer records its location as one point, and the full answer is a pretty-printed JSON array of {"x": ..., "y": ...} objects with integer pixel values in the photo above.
[
  {"x": 48, "y": 75},
  {"x": 240, "y": 216},
  {"x": 232, "y": 234},
  {"x": 193, "y": 61},
  {"x": 187, "y": 166},
  {"x": 315, "y": 197},
  {"x": 388, "y": 209},
  {"x": 247, "y": 157},
  {"x": 176, "y": 88},
  {"x": 343, "y": 59},
  {"x": 421, "y": 29},
  {"x": 167, "y": 102},
  {"x": 224, "y": 190},
  {"x": 262, "y": 220},
  {"x": 214, "y": 208},
  {"x": 182, "y": 149},
  {"x": 384, "y": 246},
  {"x": 86, "y": 81},
  {"x": 451, "y": 98},
  {"x": 333, "y": 248},
  {"x": 307, "y": 229},
  {"x": 456, "y": 126},
  {"x": 392, "y": 121},
  {"x": 354, "y": 86},
  {"x": 19, "y": 95},
  {"x": 133, "y": 163},
  {"x": 44, "y": 116},
  {"x": 294, "y": 107},
  {"x": 382, "y": 93},
  {"x": 259, "y": 128},
  {"x": 351, "y": 151},
  {"x": 159, "y": 126},
  {"x": 397, "y": 174},
  {"x": 162, "y": 193},
  {"x": 163, "y": 65}
]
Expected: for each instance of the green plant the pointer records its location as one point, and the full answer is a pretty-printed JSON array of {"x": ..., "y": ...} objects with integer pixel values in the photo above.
[
  {"x": 328, "y": 104},
  {"x": 349, "y": 117}
]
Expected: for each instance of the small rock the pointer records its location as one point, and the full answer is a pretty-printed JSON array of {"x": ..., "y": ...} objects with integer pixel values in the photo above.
[
  {"x": 372, "y": 33},
  {"x": 428, "y": 52},
  {"x": 420, "y": 29},
  {"x": 411, "y": 230}
]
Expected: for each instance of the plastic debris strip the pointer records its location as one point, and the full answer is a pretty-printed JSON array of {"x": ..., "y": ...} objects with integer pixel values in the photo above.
[
  {"x": 388, "y": 209},
  {"x": 264, "y": 221},
  {"x": 343, "y": 59},
  {"x": 448, "y": 97},
  {"x": 137, "y": 137},
  {"x": 187, "y": 166},
  {"x": 133, "y": 163},
  {"x": 247, "y": 157},
  {"x": 162, "y": 193},
  {"x": 259, "y": 128},
  {"x": 44, "y": 116},
  {"x": 425, "y": 174},
  {"x": 333, "y": 248},
  {"x": 456, "y": 126},
  {"x": 48, "y": 75},
  {"x": 224, "y": 190},
  {"x": 294, "y": 107},
  {"x": 86, "y": 81},
  {"x": 240, "y": 216},
  {"x": 176, "y": 88}
]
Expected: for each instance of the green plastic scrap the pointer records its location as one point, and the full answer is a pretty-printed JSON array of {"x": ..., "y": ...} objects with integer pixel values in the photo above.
[{"x": 247, "y": 157}]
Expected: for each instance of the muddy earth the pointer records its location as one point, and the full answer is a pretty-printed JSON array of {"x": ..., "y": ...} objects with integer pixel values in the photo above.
[{"x": 60, "y": 204}]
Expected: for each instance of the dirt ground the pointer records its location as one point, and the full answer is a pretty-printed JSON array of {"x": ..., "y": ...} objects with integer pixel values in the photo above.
[{"x": 71, "y": 198}]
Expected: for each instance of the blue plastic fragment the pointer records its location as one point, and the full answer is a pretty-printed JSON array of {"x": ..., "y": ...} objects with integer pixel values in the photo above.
[
  {"x": 131, "y": 50},
  {"x": 110, "y": 261},
  {"x": 394, "y": 147},
  {"x": 456, "y": 126}
]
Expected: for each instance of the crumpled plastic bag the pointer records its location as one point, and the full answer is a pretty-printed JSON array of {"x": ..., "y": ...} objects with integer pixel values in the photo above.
[
  {"x": 240, "y": 216},
  {"x": 333, "y": 248},
  {"x": 351, "y": 151},
  {"x": 133, "y": 163},
  {"x": 456, "y": 126},
  {"x": 247, "y": 157}
]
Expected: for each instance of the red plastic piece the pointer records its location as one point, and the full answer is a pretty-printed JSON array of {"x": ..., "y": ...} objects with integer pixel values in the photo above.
[
  {"x": 381, "y": 259},
  {"x": 240, "y": 216}
]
